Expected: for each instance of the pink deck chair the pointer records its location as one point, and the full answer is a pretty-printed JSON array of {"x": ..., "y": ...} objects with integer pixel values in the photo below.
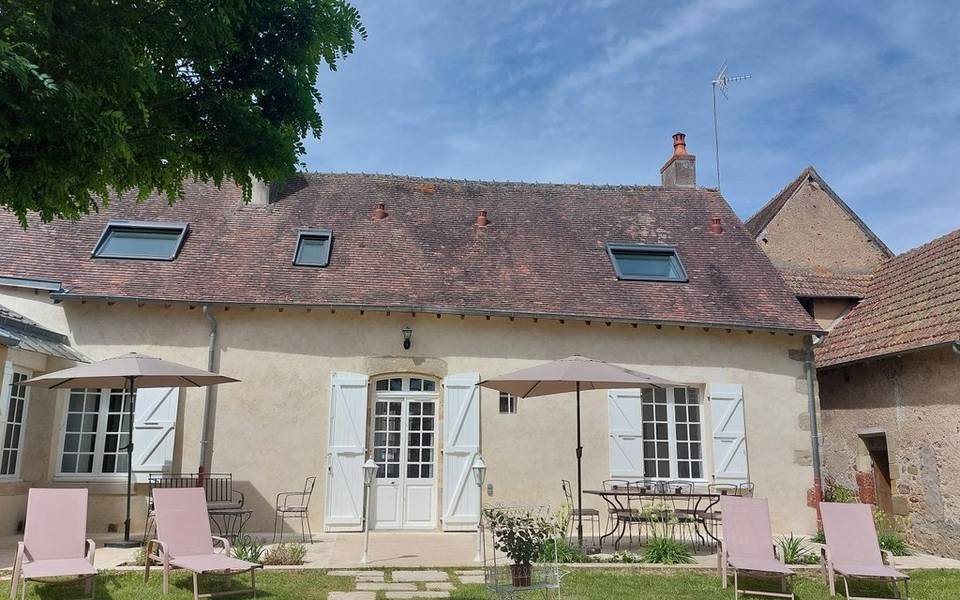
[
  {"x": 55, "y": 540},
  {"x": 748, "y": 547},
  {"x": 184, "y": 541},
  {"x": 852, "y": 550}
]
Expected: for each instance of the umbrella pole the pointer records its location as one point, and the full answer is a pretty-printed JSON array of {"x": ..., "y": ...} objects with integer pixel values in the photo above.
[
  {"x": 579, "y": 475},
  {"x": 131, "y": 393}
]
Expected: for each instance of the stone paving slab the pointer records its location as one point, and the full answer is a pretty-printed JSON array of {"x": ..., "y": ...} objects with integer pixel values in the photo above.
[
  {"x": 471, "y": 579},
  {"x": 385, "y": 587},
  {"x": 410, "y": 595},
  {"x": 441, "y": 586},
  {"x": 420, "y": 576},
  {"x": 352, "y": 596},
  {"x": 339, "y": 573}
]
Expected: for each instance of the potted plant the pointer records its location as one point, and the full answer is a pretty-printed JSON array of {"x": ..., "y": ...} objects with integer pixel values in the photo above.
[{"x": 520, "y": 533}]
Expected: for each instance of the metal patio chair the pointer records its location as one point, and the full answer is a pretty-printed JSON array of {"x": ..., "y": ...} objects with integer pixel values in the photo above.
[
  {"x": 590, "y": 515},
  {"x": 295, "y": 504}
]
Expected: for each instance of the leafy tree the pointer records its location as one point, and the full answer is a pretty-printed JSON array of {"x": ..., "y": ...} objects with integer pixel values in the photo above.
[{"x": 102, "y": 97}]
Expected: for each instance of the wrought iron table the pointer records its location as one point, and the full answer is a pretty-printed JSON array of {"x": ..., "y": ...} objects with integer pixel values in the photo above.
[
  {"x": 614, "y": 499},
  {"x": 229, "y": 521}
]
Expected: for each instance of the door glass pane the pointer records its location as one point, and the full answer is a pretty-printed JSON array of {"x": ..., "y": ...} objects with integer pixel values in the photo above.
[
  {"x": 656, "y": 430},
  {"x": 689, "y": 459},
  {"x": 419, "y": 448},
  {"x": 386, "y": 438},
  {"x": 83, "y": 412},
  {"x": 116, "y": 433}
]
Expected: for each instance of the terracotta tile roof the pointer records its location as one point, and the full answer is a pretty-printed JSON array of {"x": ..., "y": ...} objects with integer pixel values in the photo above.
[
  {"x": 759, "y": 221},
  {"x": 543, "y": 254},
  {"x": 824, "y": 284},
  {"x": 913, "y": 301}
]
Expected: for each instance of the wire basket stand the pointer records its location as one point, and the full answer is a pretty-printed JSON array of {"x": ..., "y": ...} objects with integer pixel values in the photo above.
[{"x": 544, "y": 576}]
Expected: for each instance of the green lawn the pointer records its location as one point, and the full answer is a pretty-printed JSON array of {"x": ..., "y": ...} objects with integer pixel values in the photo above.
[{"x": 581, "y": 585}]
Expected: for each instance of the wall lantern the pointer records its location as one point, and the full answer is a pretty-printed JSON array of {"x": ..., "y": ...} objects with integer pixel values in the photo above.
[{"x": 407, "y": 334}]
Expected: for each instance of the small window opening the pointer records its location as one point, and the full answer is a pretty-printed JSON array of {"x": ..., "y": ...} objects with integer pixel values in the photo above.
[
  {"x": 313, "y": 248},
  {"x": 643, "y": 262},
  {"x": 140, "y": 240},
  {"x": 508, "y": 403}
]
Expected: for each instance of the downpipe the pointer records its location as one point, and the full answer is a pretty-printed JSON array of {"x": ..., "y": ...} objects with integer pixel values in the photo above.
[
  {"x": 210, "y": 389},
  {"x": 810, "y": 373}
]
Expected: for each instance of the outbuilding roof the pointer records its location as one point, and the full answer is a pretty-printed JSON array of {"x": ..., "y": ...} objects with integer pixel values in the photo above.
[
  {"x": 543, "y": 253},
  {"x": 912, "y": 302},
  {"x": 17, "y": 331}
]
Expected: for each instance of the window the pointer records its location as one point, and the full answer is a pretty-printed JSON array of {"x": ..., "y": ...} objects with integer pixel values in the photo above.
[
  {"x": 403, "y": 384},
  {"x": 646, "y": 263},
  {"x": 313, "y": 248},
  {"x": 672, "y": 433},
  {"x": 508, "y": 403},
  {"x": 12, "y": 432},
  {"x": 95, "y": 433},
  {"x": 140, "y": 240}
]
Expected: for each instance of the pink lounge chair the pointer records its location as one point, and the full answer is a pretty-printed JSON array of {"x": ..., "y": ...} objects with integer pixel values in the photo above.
[
  {"x": 748, "y": 547},
  {"x": 55, "y": 540},
  {"x": 184, "y": 541},
  {"x": 852, "y": 550}
]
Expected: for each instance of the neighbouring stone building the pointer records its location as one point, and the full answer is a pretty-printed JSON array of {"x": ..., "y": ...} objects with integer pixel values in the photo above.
[{"x": 889, "y": 368}]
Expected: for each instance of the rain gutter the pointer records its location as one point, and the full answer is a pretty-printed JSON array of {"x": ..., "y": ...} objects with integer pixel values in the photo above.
[
  {"x": 472, "y": 312},
  {"x": 810, "y": 374}
]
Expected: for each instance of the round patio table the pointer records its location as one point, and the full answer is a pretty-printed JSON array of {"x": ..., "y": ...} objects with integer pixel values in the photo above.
[{"x": 614, "y": 499}]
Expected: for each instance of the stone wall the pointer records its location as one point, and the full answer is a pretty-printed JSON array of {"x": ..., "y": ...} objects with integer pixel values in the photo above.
[{"x": 914, "y": 400}]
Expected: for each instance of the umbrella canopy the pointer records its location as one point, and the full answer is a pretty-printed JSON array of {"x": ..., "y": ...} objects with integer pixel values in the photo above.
[
  {"x": 573, "y": 374},
  {"x": 146, "y": 371},
  {"x": 564, "y": 375},
  {"x": 130, "y": 372}
]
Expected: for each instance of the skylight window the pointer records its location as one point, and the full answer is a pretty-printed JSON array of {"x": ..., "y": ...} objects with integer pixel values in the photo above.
[
  {"x": 141, "y": 240},
  {"x": 313, "y": 248},
  {"x": 646, "y": 262}
]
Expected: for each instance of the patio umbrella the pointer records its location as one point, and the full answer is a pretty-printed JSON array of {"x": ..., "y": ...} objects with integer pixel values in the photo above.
[
  {"x": 572, "y": 374},
  {"x": 130, "y": 372}
]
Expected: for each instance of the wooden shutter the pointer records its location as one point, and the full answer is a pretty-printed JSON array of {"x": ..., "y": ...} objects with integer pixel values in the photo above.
[
  {"x": 729, "y": 433},
  {"x": 461, "y": 444},
  {"x": 6, "y": 380},
  {"x": 345, "y": 452},
  {"x": 154, "y": 430},
  {"x": 626, "y": 434}
]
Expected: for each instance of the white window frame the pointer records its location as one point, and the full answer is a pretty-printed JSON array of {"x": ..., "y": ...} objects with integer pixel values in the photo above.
[
  {"x": 100, "y": 442},
  {"x": 672, "y": 438},
  {"x": 15, "y": 476},
  {"x": 513, "y": 402}
]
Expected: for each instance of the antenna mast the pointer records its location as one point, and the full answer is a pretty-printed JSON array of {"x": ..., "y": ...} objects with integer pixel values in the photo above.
[{"x": 721, "y": 82}]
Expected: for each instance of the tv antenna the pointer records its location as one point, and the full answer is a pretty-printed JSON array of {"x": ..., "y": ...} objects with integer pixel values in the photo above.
[{"x": 722, "y": 82}]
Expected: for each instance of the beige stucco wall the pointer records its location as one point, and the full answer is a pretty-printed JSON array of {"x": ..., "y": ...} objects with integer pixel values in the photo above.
[
  {"x": 915, "y": 400},
  {"x": 271, "y": 429},
  {"x": 826, "y": 311},
  {"x": 813, "y": 232}
]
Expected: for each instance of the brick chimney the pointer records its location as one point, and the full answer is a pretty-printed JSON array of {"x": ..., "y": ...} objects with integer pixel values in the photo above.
[
  {"x": 263, "y": 193},
  {"x": 680, "y": 171}
]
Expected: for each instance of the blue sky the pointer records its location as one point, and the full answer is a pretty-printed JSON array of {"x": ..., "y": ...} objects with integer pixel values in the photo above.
[{"x": 591, "y": 90}]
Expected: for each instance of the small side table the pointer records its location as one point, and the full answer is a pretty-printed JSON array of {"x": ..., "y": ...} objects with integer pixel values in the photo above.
[{"x": 230, "y": 521}]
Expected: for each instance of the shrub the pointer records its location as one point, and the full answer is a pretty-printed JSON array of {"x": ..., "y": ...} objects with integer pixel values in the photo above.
[
  {"x": 893, "y": 542},
  {"x": 140, "y": 558},
  {"x": 796, "y": 551},
  {"x": 285, "y": 554},
  {"x": 666, "y": 551},
  {"x": 521, "y": 532},
  {"x": 836, "y": 492},
  {"x": 564, "y": 551},
  {"x": 625, "y": 556},
  {"x": 820, "y": 538},
  {"x": 248, "y": 548}
]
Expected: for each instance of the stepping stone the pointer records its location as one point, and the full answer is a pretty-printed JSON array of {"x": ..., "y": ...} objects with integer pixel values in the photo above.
[
  {"x": 471, "y": 579},
  {"x": 386, "y": 587},
  {"x": 473, "y": 572},
  {"x": 352, "y": 596},
  {"x": 420, "y": 576},
  {"x": 371, "y": 578},
  {"x": 406, "y": 595},
  {"x": 444, "y": 586},
  {"x": 339, "y": 573}
]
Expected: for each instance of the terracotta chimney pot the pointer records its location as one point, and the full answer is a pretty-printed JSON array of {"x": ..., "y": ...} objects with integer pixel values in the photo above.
[
  {"x": 716, "y": 227},
  {"x": 380, "y": 212},
  {"x": 679, "y": 144},
  {"x": 482, "y": 220}
]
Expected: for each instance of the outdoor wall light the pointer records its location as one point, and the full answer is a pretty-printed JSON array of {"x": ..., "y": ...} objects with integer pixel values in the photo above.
[{"x": 407, "y": 334}]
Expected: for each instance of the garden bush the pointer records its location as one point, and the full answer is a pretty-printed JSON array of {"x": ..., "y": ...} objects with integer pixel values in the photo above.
[
  {"x": 285, "y": 554},
  {"x": 796, "y": 551},
  {"x": 563, "y": 550},
  {"x": 248, "y": 548}
]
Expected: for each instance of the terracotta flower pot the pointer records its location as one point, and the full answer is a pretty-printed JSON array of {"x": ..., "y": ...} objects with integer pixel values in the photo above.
[{"x": 521, "y": 575}]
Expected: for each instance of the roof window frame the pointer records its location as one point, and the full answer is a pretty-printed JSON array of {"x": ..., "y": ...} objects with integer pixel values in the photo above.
[
  {"x": 313, "y": 233},
  {"x": 119, "y": 224},
  {"x": 649, "y": 249}
]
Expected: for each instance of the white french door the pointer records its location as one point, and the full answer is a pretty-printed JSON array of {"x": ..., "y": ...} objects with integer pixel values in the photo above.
[{"x": 404, "y": 448}]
